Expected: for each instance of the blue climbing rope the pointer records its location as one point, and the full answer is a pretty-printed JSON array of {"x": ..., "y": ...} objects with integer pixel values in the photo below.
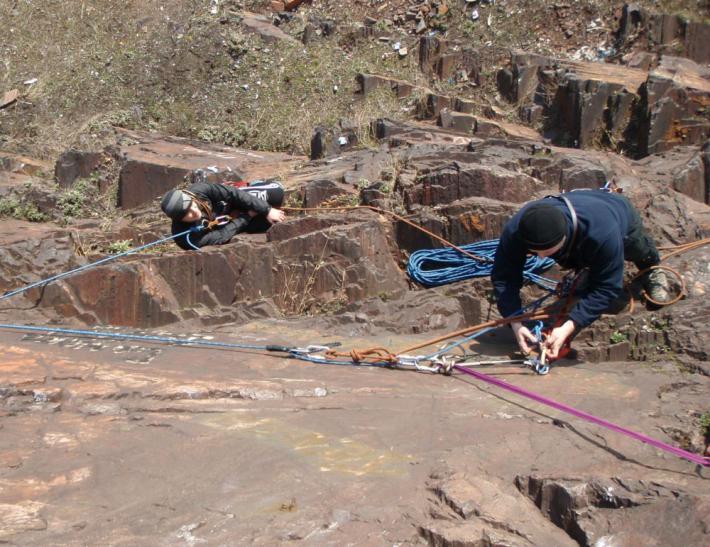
[
  {"x": 297, "y": 353},
  {"x": 43, "y": 282},
  {"x": 136, "y": 337},
  {"x": 434, "y": 267}
]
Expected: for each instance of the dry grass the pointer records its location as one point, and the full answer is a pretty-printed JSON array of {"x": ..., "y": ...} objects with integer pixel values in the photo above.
[
  {"x": 171, "y": 66},
  {"x": 297, "y": 288}
]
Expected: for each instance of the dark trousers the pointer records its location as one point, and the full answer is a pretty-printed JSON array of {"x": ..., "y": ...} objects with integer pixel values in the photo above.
[
  {"x": 639, "y": 247},
  {"x": 270, "y": 191}
]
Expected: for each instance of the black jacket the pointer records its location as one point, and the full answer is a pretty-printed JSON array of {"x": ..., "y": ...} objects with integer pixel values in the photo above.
[
  {"x": 224, "y": 200},
  {"x": 604, "y": 219}
]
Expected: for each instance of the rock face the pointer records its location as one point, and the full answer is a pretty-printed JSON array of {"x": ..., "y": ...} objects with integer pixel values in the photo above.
[
  {"x": 336, "y": 453},
  {"x": 328, "y": 143},
  {"x": 444, "y": 60},
  {"x": 262, "y": 26},
  {"x": 149, "y": 165},
  {"x": 152, "y": 165},
  {"x": 194, "y": 402},
  {"x": 629, "y": 511},
  {"x": 462, "y": 192},
  {"x": 588, "y": 105},
  {"x": 489, "y": 514},
  {"x": 367, "y": 83},
  {"x": 674, "y": 103},
  {"x": 74, "y": 164},
  {"x": 305, "y": 266},
  {"x": 663, "y": 33},
  {"x": 320, "y": 453}
]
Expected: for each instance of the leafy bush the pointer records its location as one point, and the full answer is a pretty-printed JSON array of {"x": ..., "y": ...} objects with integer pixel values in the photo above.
[
  {"x": 120, "y": 246},
  {"x": 16, "y": 208},
  {"x": 72, "y": 203},
  {"x": 705, "y": 424}
]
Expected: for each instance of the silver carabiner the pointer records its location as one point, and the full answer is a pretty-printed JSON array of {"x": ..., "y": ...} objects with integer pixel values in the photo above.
[
  {"x": 222, "y": 220},
  {"x": 537, "y": 366},
  {"x": 309, "y": 349},
  {"x": 409, "y": 360}
]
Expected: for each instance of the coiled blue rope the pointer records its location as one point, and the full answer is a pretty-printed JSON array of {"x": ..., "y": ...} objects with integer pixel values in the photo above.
[{"x": 434, "y": 267}]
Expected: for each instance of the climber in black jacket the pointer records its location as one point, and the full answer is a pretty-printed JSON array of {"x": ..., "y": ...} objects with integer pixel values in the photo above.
[
  {"x": 251, "y": 209},
  {"x": 592, "y": 229}
]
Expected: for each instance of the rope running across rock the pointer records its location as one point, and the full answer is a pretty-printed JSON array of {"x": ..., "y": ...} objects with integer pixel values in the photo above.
[{"x": 375, "y": 356}]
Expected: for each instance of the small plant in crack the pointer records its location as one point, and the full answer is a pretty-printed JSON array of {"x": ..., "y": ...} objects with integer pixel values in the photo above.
[{"x": 705, "y": 426}]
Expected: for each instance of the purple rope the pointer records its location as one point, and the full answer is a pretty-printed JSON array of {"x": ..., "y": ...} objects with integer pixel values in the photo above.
[{"x": 695, "y": 458}]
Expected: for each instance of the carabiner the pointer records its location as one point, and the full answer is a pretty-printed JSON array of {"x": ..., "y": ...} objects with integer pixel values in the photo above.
[
  {"x": 222, "y": 220},
  {"x": 309, "y": 349}
]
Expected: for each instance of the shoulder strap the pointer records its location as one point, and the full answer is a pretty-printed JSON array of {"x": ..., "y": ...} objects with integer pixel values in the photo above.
[
  {"x": 573, "y": 214},
  {"x": 575, "y": 223}
]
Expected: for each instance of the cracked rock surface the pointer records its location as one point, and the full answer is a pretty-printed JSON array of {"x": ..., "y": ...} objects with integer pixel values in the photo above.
[{"x": 104, "y": 442}]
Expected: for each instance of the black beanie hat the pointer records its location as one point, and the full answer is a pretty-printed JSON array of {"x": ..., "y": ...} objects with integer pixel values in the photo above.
[
  {"x": 542, "y": 226},
  {"x": 175, "y": 204}
]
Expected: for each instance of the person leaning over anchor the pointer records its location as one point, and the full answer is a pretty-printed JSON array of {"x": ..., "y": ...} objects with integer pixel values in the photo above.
[
  {"x": 595, "y": 230},
  {"x": 251, "y": 209}
]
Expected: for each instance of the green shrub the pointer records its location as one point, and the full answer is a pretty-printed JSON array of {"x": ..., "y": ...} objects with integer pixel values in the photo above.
[
  {"x": 21, "y": 210},
  {"x": 120, "y": 246},
  {"x": 705, "y": 424},
  {"x": 72, "y": 203}
]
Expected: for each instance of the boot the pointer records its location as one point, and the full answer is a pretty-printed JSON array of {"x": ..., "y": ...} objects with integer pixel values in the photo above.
[{"x": 656, "y": 284}]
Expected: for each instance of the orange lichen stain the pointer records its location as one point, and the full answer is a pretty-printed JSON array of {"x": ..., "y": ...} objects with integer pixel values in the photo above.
[
  {"x": 31, "y": 487},
  {"x": 632, "y": 393},
  {"x": 327, "y": 453},
  {"x": 93, "y": 390},
  {"x": 472, "y": 223},
  {"x": 20, "y": 368},
  {"x": 12, "y": 459}
]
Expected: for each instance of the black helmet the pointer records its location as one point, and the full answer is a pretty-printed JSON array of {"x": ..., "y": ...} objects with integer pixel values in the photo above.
[{"x": 175, "y": 204}]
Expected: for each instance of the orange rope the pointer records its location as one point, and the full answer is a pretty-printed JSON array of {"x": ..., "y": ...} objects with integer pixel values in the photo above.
[
  {"x": 681, "y": 281},
  {"x": 684, "y": 247},
  {"x": 365, "y": 355},
  {"x": 398, "y": 217},
  {"x": 676, "y": 249}
]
